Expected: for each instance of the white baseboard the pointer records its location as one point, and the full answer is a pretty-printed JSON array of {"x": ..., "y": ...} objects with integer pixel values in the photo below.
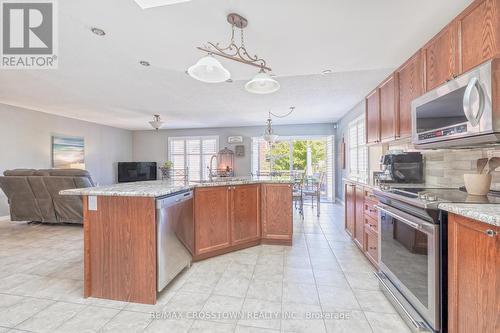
[{"x": 5, "y": 218}]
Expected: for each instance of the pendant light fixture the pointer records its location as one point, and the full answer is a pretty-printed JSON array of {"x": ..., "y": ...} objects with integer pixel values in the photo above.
[
  {"x": 210, "y": 70},
  {"x": 262, "y": 83},
  {"x": 156, "y": 123},
  {"x": 269, "y": 136}
]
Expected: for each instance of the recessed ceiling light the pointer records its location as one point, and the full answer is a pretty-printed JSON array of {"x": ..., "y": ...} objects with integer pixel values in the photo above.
[
  {"x": 97, "y": 31},
  {"x": 326, "y": 72},
  {"x": 273, "y": 75},
  {"x": 144, "y": 4},
  {"x": 145, "y": 63}
]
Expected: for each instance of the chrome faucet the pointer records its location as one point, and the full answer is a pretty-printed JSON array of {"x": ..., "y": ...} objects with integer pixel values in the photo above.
[{"x": 210, "y": 169}]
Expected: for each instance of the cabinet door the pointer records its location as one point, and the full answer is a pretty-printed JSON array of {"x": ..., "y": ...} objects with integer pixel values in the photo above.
[
  {"x": 371, "y": 245},
  {"x": 245, "y": 213},
  {"x": 410, "y": 86},
  {"x": 277, "y": 218},
  {"x": 439, "y": 58},
  {"x": 389, "y": 115},
  {"x": 478, "y": 33},
  {"x": 212, "y": 220},
  {"x": 359, "y": 220},
  {"x": 372, "y": 117},
  {"x": 350, "y": 207},
  {"x": 473, "y": 276}
]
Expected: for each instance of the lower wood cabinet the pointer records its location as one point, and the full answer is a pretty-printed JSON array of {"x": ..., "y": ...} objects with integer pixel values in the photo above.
[
  {"x": 473, "y": 276},
  {"x": 361, "y": 219},
  {"x": 245, "y": 213},
  {"x": 350, "y": 207},
  {"x": 277, "y": 214},
  {"x": 359, "y": 224},
  {"x": 212, "y": 219}
]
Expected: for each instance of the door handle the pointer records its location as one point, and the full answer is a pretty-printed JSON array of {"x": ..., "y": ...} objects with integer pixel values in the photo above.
[{"x": 469, "y": 113}]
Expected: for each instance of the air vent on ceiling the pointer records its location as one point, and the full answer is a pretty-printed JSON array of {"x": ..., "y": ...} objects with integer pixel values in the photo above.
[{"x": 144, "y": 4}]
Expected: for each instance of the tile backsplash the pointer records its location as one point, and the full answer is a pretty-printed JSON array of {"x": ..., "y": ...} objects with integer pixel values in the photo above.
[{"x": 446, "y": 167}]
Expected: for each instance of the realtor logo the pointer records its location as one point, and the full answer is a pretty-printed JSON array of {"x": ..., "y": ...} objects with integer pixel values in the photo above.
[{"x": 28, "y": 34}]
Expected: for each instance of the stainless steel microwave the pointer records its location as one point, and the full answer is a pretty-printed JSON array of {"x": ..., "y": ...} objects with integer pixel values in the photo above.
[{"x": 460, "y": 113}]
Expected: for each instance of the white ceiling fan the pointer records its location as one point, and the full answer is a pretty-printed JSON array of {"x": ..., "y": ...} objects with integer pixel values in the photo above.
[{"x": 145, "y": 4}]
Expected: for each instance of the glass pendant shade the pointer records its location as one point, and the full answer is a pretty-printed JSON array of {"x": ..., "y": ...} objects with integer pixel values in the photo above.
[
  {"x": 209, "y": 70},
  {"x": 156, "y": 123},
  {"x": 270, "y": 138},
  {"x": 262, "y": 83}
]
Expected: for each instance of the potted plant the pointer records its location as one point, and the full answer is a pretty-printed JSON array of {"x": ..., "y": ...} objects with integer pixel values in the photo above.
[{"x": 166, "y": 170}]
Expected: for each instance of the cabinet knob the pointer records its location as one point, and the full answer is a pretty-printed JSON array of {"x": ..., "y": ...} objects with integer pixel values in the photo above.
[{"x": 491, "y": 233}]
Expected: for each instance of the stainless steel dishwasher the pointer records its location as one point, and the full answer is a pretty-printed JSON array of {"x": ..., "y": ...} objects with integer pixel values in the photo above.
[{"x": 173, "y": 213}]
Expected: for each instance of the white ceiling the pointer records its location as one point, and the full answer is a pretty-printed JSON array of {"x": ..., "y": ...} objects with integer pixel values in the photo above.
[{"x": 99, "y": 78}]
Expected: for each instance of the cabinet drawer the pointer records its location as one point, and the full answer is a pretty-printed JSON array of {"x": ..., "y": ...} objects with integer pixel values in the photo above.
[
  {"x": 371, "y": 209},
  {"x": 371, "y": 223},
  {"x": 371, "y": 245},
  {"x": 369, "y": 195}
]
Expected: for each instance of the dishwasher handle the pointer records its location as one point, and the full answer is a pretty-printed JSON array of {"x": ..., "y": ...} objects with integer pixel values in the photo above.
[{"x": 173, "y": 200}]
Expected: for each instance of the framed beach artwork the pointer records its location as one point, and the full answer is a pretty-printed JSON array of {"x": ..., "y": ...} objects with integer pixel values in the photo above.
[{"x": 68, "y": 152}]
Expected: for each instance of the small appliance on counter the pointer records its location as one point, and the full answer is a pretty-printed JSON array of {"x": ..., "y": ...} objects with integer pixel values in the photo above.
[{"x": 401, "y": 167}]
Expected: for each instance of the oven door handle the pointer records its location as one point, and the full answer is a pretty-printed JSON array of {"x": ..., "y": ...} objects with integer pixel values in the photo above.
[
  {"x": 420, "y": 326},
  {"x": 400, "y": 218}
]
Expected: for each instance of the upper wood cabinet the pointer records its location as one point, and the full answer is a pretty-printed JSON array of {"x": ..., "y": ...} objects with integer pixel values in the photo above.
[
  {"x": 410, "y": 78},
  {"x": 212, "y": 219},
  {"x": 372, "y": 116},
  {"x": 359, "y": 221},
  {"x": 478, "y": 33},
  {"x": 277, "y": 215},
  {"x": 350, "y": 207},
  {"x": 439, "y": 56},
  {"x": 245, "y": 213},
  {"x": 389, "y": 111},
  {"x": 473, "y": 276}
]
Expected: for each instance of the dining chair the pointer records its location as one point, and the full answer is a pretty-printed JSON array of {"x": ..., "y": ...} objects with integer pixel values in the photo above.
[{"x": 312, "y": 188}]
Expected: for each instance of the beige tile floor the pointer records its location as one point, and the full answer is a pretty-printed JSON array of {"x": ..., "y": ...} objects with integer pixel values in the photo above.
[{"x": 323, "y": 272}]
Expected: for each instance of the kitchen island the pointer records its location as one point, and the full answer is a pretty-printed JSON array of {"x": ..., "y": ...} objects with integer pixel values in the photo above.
[{"x": 121, "y": 251}]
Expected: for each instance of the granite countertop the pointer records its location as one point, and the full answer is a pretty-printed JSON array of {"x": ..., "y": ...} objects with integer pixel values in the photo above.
[
  {"x": 158, "y": 188},
  {"x": 487, "y": 213}
]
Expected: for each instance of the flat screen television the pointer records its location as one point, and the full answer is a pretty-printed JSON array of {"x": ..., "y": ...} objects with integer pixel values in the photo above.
[{"x": 136, "y": 171}]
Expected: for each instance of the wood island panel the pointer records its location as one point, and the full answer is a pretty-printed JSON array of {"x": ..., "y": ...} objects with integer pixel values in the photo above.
[
  {"x": 245, "y": 213},
  {"x": 120, "y": 249},
  {"x": 277, "y": 214},
  {"x": 212, "y": 219}
]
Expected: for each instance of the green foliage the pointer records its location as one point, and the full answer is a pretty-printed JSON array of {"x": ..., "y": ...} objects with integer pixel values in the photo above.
[
  {"x": 168, "y": 165},
  {"x": 280, "y": 152}
]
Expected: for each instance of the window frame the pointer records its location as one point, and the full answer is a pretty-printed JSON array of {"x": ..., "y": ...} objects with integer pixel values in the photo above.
[{"x": 359, "y": 172}]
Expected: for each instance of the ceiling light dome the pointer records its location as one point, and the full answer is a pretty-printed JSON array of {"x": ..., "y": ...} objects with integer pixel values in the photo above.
[
  {"x": 209, "y": 70},
  {"x": 262, "y": 83}
]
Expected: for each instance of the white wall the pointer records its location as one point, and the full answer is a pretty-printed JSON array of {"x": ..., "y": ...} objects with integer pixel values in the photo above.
[
  {"x": 25, "y": 142},
  {"x": 152, "y": 146}
]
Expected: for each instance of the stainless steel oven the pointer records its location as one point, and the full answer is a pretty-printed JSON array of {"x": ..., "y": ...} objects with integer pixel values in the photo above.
[
  {"x": 460, "y": 112},
  {"x": 409, "y": 266}
]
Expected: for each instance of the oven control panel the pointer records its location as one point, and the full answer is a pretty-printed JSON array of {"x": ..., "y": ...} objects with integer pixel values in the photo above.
[{"x": 443, "y": 132}]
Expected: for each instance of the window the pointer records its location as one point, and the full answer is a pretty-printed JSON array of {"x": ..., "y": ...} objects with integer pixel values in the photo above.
[
  {"x": 358, "y": 152},
  {"x": 193, "y": 153}
]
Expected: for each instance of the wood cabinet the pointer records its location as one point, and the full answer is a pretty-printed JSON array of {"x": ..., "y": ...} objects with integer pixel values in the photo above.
[
  {"x": 350, "y": 207},
  {"x": 473, "y": 276},
  {"x": 478, "y": 32},
  {"x": 245, "y": 213},
  {"x": 372, "y": 116},
  {"x": 371, "y": 245},
  {"x": 439, "y": 56},
  {"x": 212, "y": 219},
  {"x": 277, "y": 214},
  {"x": 410, "y": 77},
  {"x": 359, "y": 220},
  {"x": 389, "y": 111}
]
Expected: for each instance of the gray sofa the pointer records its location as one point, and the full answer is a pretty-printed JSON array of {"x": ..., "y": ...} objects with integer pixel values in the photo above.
[{"x": 34, "y": 194}]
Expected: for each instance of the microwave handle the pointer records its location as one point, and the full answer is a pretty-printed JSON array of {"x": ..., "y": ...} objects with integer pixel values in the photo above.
[{"x": 469, "y": 113}]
